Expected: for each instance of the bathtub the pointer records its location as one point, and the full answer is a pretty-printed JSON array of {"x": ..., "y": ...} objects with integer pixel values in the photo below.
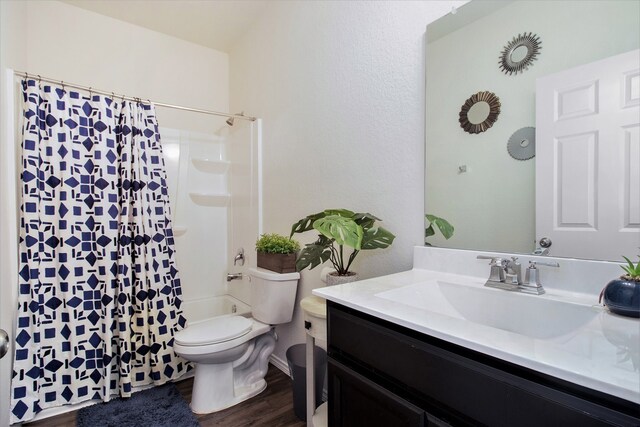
[{"x": 202, "y": 309}]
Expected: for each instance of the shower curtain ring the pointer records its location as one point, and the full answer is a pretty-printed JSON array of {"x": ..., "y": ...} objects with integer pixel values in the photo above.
[
  {"x": 62, "y": 84},
  {"x": 39, "y": 79},
  {"x": 90, "y": 92}
]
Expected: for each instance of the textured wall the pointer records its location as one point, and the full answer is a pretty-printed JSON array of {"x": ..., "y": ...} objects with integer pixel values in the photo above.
[{"x": 340, "y": 86}]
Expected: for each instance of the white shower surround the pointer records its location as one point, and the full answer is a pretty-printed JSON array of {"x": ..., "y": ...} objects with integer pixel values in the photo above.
[{"x": 215, "y": 190}]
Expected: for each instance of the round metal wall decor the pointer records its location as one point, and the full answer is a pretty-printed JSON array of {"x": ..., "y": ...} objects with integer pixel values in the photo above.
[
  {"x": 520, "y": 53},
  {"x": 522, "y": 144},
  {"x": 479, "y": 112}
]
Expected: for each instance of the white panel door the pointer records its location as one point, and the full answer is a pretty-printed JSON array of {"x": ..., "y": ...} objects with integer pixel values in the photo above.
[{"x": 588, "y": 159}]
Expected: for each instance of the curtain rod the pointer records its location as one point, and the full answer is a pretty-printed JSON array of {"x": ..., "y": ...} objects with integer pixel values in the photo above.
[{"x": 128, "y": 98}]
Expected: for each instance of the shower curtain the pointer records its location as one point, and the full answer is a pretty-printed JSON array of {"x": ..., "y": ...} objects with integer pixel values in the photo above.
[{"x": 99, "y": 293}]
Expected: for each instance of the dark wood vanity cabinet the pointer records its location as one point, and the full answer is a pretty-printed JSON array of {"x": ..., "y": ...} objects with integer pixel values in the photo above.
[{"x": 382, "y": 374}]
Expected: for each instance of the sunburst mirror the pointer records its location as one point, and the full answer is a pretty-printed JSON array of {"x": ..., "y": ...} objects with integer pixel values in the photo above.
[
  {"x": 479, "y": 112},
  {"x": 520, "y": 53}
]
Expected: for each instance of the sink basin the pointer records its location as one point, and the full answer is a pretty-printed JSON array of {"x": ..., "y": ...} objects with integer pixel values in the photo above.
[{"x": 528, "y": 315}]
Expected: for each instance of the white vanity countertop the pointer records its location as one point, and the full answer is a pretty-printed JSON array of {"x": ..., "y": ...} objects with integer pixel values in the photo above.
[{"x": 601, "y": 353}]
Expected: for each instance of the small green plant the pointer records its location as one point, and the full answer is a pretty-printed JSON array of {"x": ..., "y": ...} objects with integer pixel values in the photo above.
[
  {"x": 276, "y": 244},
  {"x": 633, "y": 271},
  {"x": 442, "y": 224},
  {"x": 344, "y": 228}
]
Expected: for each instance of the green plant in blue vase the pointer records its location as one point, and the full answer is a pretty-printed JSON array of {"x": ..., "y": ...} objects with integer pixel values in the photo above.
[
  {"x": 633, "y": 272},
  {"x": 622, "y": 296}
]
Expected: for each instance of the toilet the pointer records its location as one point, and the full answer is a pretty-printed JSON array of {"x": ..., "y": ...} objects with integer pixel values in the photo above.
[{"x": 231, "y": 353}]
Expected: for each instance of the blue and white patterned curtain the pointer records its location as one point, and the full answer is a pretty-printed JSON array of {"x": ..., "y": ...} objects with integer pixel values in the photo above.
[{"x": 99, "y": 297}]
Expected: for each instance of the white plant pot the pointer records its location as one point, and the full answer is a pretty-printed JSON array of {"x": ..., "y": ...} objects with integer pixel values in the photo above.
[{"x": 334, "y": 279}]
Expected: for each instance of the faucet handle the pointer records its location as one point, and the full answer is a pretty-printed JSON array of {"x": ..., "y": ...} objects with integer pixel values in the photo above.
[
  {"x": 239, "y": 257},
  {"x": 532, "y": 264},
  {"x": 494, "y": 259}
]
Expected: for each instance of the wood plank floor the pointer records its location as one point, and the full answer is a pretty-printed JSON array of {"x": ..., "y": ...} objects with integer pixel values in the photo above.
[{"x": 272, "y": 408}]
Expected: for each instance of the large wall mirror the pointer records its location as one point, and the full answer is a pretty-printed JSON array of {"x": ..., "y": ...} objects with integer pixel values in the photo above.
[{"x": 581, "y": 93}]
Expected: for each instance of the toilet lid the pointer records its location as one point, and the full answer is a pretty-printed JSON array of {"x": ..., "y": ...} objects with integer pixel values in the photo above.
[{"x": 215, "y": 330}]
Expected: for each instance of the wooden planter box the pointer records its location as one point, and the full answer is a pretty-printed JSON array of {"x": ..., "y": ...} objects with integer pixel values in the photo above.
[{"x": 280, "y": 263}]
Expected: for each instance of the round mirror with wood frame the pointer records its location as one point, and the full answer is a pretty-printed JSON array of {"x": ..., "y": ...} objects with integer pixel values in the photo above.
[{"x": 482, "y": 117}]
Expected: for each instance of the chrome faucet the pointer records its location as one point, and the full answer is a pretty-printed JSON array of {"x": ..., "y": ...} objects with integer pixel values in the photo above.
[
  {"x": 507, "y": 274},
  {"x": 233, "y": 276},
  {"x": 513, "y": 272}
]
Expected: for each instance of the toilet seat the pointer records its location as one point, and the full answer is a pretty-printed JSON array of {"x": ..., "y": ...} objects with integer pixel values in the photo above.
[{"x": 213, "y": 331}]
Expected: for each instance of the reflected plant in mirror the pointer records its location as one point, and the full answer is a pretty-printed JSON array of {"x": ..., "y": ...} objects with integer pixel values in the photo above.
[
  {"x": 581, "y": 190},
  {"x": 441, "y": 224}
]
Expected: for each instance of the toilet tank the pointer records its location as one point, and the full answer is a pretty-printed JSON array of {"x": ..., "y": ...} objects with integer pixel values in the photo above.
[{"x": 273, "y": 295}]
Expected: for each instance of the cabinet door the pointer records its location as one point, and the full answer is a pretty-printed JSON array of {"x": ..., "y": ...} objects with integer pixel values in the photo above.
[{"x": 356, "y": 401}]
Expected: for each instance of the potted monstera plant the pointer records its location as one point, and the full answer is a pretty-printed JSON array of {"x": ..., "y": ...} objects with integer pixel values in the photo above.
[
  {"x": 622, "y": 295},
  {"x": 339, "y": 229},
  {"x": 277, "y": 253}
]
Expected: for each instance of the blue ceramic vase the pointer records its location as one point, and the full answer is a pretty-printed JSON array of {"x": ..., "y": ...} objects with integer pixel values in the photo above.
[{"x": 622, "y": 296}]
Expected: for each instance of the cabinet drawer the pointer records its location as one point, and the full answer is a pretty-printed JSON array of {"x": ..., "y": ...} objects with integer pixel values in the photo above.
[
  {"x": 466, "y": 388},
  {"x": 355, "y": 401}
]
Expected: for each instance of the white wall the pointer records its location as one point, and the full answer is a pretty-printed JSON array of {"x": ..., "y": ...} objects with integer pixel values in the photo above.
[
  {"x": 340, "y": 86},
  {"x": 492, "y": 206},
  {"x": 73, "y": 44}
]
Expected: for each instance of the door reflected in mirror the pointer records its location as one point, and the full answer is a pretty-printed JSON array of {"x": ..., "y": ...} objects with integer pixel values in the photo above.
[{"x": 493, "y": 205}]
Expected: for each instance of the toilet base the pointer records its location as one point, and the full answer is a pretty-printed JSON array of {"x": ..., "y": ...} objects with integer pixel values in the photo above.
[
  {"x": 218, "y": 386},
  {"x": 240, "y": 396}
]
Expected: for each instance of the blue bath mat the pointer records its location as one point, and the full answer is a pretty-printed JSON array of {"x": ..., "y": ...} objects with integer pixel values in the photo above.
[{"x": 156, "y": 407}]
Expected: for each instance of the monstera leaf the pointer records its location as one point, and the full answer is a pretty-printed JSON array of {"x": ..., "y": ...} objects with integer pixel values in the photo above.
[
  {"x": 343, "y": 230},
  {"x": 314, "y": 254},
  {"x": 342, "y": 212},
  {"x": 443, "y": 225},
  {"x": 306, "y": 223},
  {"x": 365, "y": 220},
  {"x": 377, "y": 238}
]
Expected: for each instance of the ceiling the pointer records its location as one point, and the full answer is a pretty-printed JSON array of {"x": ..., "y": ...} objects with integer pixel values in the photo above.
[{"x": 212, "y": 23}]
